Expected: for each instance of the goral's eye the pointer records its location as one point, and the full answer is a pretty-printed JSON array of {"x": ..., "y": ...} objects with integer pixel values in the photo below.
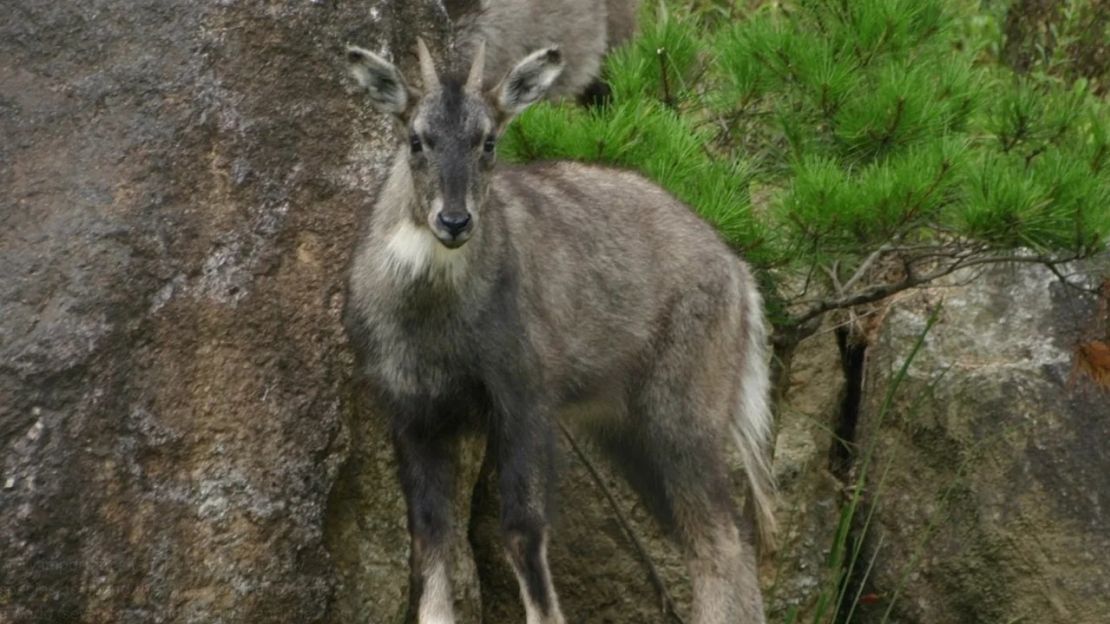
[
  {"x": 490, "y": 143},
  {"x": 415, "y": 144}
]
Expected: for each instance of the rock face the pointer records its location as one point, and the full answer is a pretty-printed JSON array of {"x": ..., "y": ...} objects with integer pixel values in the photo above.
[
  {"x": 180, "y": 184},
  {"x": 993, "y": 507}
]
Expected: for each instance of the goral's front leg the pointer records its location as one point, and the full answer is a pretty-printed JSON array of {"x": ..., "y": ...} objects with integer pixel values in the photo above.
[
  {"x": 525, "y": 448},
  {"x": 426, "y": 468}
]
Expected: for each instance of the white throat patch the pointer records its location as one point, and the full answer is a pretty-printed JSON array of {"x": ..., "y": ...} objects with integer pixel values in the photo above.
[{"x": 413, "y": 251}]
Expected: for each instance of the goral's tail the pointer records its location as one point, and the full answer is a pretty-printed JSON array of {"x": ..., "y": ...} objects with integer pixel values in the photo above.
[{"x": 752, "y": 421}]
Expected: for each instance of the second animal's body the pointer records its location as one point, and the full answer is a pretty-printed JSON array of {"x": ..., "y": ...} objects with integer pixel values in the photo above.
[
  {"x": 527, "y": 294},
  {"x": 584, "y": 30}
]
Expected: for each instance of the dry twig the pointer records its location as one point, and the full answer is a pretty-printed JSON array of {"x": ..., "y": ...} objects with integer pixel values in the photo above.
[{"x": 667, "y": 605}]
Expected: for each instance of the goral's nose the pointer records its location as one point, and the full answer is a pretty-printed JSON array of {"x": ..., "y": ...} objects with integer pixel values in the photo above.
[{"x": 454, "y": 222}]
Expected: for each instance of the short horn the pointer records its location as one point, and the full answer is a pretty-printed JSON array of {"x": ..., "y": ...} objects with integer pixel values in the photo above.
[
  {"x": 427, "y": 68},
  {"x": 477, "y": 68}
]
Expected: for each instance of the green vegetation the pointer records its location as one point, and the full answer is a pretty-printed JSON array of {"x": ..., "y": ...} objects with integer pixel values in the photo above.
[{"x": 848, "y": 149}]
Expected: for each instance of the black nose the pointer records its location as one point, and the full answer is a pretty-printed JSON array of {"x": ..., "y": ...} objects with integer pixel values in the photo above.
[{"x": 454, "y": 222}]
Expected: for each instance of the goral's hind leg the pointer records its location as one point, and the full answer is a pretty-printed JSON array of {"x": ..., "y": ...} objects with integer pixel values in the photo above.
[
  {"x": 683, "y": 412},
  {"x": 679, "y": 423},
  {"x": 723, "y": 573},
  {"x": 683, "y": 479}
]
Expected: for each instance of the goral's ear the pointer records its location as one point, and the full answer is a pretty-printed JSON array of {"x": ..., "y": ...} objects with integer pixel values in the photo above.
[
  {"x": 382, "y": 81},
  {"x": 528, "y": 82}
]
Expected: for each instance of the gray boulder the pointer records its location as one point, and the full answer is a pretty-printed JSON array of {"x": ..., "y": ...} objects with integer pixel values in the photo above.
[{"x": 991, "y": 473}]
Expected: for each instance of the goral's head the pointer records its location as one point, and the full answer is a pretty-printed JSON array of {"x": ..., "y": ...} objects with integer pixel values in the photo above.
[{"x": 450, "y": 129}]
